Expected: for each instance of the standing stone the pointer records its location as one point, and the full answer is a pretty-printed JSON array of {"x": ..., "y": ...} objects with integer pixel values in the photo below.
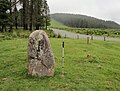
[{"x": 40, "y": 55}]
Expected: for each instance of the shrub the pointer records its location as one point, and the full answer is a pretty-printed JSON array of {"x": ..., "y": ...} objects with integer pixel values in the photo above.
[{"x": 59, "y": 36}]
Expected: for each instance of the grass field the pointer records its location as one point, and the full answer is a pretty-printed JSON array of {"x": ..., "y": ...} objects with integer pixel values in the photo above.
[
  {"x": 56, "y": 24},
  {"x": 88, "y": 67}
]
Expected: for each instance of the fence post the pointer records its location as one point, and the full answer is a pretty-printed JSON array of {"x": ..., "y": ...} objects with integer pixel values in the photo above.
[
  {"x": 88, "y": 40},
  {"x": 77, "y": 36},
  {"x": 65, "y": 36},
  {"x": 63, "y": 58},
  {"x": 91, "y": 37},
  {"x": 104, "y": 38}
]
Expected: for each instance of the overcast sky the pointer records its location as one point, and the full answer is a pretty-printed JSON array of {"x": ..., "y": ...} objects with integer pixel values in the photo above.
[{"x": 102, "y": 9}]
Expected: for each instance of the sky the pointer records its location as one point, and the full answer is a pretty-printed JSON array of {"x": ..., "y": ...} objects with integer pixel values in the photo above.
[{"x": 102, "y": 9}]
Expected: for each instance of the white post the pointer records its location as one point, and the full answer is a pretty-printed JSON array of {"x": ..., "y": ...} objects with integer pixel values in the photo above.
[
  {"x": 88, "y": 40},
  {"x": 63, "y": 58},
  {"x": 65, "y": 36},
  {"x": 77, "y": 36}
]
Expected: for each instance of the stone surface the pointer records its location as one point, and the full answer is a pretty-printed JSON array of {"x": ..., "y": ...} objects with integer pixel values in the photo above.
[{"x": 40, "y": 55}]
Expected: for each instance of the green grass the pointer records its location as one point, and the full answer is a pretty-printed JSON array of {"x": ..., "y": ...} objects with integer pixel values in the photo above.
[
  {"x": 56, "y": 24},
  {"x": 98, "y": 32},
  {"x": 88, "y": 67}
]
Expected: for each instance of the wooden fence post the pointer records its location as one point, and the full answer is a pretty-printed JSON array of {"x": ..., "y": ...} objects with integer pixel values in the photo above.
[
  {"x": 88, "y": 40},
  {"x": 104, "y": 38},
  {"x": 91, "y": 37},
  {"x": 65, "y": 36},
  {"x": 77, "y": 36}
]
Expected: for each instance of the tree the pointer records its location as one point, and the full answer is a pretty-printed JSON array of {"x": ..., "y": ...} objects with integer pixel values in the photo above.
[
  {"x": 38, "y": 14},
  {"x": 15, "y": 15},
  {"x": 10, "y": 16},
  {"x": 24, "y": 11},
  {"x": 47, "y": 14},
  {"x": 4, "y": 6},
  {"x": 31, "y": 15},
  {"x": 41, "y": 14}
]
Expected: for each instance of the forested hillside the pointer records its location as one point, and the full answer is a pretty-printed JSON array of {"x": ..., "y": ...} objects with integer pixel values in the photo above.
[{"x": 82, "y": 21}]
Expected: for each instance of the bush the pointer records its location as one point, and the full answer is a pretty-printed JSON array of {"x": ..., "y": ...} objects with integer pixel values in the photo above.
[
  {"x": 59, "y": 36},
  {"x": 50, "y": 33},
  {"x": 2, "y": 36},
  {"x": 14, "y": 34}
]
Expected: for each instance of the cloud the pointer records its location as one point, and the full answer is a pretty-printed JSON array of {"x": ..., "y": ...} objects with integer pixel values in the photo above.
[{"x": 103, "y": 9}]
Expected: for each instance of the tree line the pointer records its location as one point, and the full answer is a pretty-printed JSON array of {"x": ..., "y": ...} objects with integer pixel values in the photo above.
[
  {"x": 82, "y": 21},
  {"x": 28, "y": 14}
]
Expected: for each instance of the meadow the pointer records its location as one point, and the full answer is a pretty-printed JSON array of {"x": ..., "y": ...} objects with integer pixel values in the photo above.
[
  {"x": 56, "y": 24},
  {"x": 88, "y": 67}
]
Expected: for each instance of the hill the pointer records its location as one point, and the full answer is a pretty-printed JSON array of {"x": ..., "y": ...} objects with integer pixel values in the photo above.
[
  {"x": 57, "y": 24},
  {"x": 83, "y": 21}
]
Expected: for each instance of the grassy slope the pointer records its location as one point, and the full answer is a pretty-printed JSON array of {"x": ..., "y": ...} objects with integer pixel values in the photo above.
[
  {"x": 56, "y": 24},
  {"x": 100, "y": 71}
]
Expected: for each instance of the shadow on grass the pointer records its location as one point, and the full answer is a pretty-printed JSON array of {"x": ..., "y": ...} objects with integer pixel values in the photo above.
[{"x": 23, "y": 74}]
